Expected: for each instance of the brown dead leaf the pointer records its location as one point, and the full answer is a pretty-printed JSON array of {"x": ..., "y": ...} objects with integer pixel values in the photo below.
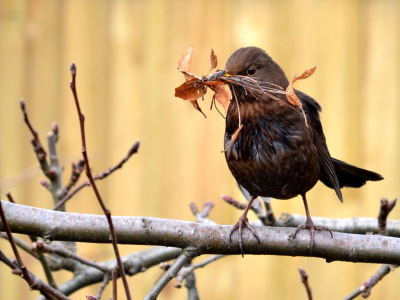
[
  {"x": 196, "y": 106},
  {"x": 234, "y": 137},
  {"x": 221, "y": 94},
  {"x": 190, "y": 90},
  {"x": 190, "y": 76},
  {"x": 196, "y": 87},
  {"x": 214, "y": 60},
  {"x": 291, "y": 95},
  {"x": 185, "y": 62},
  {"x": 305, "y": 75}
]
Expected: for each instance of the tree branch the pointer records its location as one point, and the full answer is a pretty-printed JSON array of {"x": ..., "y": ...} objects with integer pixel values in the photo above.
[
  {"x": 207, "y": 239},
  {"x": 186, "y": 256},
  {"x": 106, "y": 211}
]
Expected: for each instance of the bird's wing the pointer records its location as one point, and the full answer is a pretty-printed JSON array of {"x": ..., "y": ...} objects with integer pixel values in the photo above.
[{"x": 328, "y": 173}]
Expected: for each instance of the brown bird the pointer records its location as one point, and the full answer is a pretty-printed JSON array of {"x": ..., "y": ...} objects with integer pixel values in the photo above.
[{"x": 279, "y": 152}]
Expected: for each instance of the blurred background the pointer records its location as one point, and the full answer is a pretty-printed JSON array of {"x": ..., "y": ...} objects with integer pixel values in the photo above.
[{"x": 126, "y": 53}]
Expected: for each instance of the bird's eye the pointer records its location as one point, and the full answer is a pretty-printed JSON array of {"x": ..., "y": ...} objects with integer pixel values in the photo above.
[{"x": 251, "y": 70}]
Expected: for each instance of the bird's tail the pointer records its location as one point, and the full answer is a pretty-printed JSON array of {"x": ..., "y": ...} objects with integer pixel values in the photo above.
[{"x": 349, "y": 175}]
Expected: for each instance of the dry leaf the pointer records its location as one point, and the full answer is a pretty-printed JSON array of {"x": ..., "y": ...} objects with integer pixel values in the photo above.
[
  {"x": 305, "y": 75},
  {"x": 214, "y": 60},
  {"x": 196, "y": 87},
  {"x": 190, "y": 90},
  {"x": 234, "y": 137},
  {"x": 221, "y": 94},
  {"x": 186, "y": 61},
  {"x": 196, "y": 106},
  {"x": 291, "y": 95}
]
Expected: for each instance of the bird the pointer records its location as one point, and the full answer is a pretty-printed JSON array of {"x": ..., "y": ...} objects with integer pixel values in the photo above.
[{"x": 274, "y": 148}]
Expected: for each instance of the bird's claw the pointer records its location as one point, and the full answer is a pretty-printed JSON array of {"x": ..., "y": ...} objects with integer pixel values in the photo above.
[
  {"x": 243, "y": 222},
  {"x": 310, "y": 226}
]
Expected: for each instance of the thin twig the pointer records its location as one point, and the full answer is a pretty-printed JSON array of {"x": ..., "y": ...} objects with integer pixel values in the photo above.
[
  {"x": 21, "y": 243},
  {"x": 202, "y": 216},
  {"x": 186, "y": 256},
  {"x": 10, "y": 197},
  {"x": 40, "y": 246},
  {"x": 55, "y": 132},
  {"x": 114, "y": 285},
  {"x": 190, "y": 284},
  {"x": 235, "y": 203},
  {"x": 103, "y": 285},
  {"x": 34, "y": 282},
  {"x": 366, "y": 287},
  {"x": 100, "y": 176},
  {"x": 271, "y": 220},
  {"x": 385, "y": 208},
  {"x": 106, "y": 211},
  {"x": 55, "y": 168},
  {"x": 37, "y": 145},
  {"x": 46, "y": 268},
  {"x": 14, "y": 247},
  {"x": 304, "y": 280},
  {"x": 186, "y": 271},
  {"x": 76, "y": 171},
  {"x": 45, "y": 184},
  {"x": 7, "y": 261}
]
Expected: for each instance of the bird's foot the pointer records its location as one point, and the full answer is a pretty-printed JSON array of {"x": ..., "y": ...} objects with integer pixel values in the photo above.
[
  {"x": 310, "y": 226},
  {"x": 240, "y": 224}
]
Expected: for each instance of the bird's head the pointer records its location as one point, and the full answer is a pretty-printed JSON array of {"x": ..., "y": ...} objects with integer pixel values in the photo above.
[{"x": 253, "y": 70}]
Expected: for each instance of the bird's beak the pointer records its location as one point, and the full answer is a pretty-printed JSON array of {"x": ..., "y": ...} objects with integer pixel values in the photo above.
[{"x": 220, "y": 76}]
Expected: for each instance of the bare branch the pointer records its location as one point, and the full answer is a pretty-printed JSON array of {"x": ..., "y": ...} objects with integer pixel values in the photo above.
[
  {"x": 202, "y": 216},
  {"x": 37, "y": 145},
  {"x": 304, "y": 280},
  {"x": 7, "y": 261},
  {"x": 190, "y": 284},
  {"x": 14, "y": 247},
  {"x": 134, "y": 263},
  {"x": 21, "y": 243},
  {"x": 53, "y": 225},
  {"x": 106, "y": 211},
  {"x": 10, "y": 197},
  {"x": 40, "y": 246},
  {"x": 270, "y": 217},
  {"x": 34, "y": 282},
  {"x": 385, "y": 208},
  {"x": 45, "y": 184},
  {"x": 186, "y": 256},
  {"x": 365, "y": 288},
  {"x": 76, "y": 171},
  {"x": 100, "y": 176},
  {"x": 114, "y": 284},
  {"x": 106, "y": 280},
  {"x": 186, "y": 271},
  {"x": 233, "y": 202},
  {"x": 45, "y": 265}
]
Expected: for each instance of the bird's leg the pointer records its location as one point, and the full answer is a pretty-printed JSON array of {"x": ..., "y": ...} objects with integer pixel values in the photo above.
[
  {"x": 244, "y": 222},
  {"x": 310, "y": 225}
]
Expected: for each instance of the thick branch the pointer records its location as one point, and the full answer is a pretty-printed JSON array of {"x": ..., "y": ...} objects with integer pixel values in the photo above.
[
  {"x": 133, "y": 263},
  {"x": 206, "y": 239}
]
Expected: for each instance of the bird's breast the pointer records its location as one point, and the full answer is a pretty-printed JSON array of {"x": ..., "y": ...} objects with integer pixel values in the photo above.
[{"x": 273, "y": 155}]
